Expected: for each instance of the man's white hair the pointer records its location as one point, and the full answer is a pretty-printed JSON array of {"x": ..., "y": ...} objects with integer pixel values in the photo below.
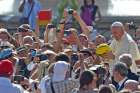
[
  {"x": 126, "y": 58},
  {"x": 117, "y": 24}
]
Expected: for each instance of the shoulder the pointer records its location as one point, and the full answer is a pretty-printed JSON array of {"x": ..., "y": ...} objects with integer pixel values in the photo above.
[
  {"x": 96, "y": 6},
  {"x": 113, "y": 43},
  {"x": 129, "y": 38},
  {"x": 133, "y": 76},
  {"x": 18, "y": 88}
]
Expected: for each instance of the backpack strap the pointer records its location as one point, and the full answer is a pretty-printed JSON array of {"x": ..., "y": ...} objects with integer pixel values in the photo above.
[{"x": 52, "y": 88}]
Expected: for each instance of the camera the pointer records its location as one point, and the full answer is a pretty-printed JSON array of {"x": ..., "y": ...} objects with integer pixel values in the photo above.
[
  {"x": 58, "y": 30},
  {"x": 74, "y": 57},
  {"x": 50, "y": 26},
  {"x": 18, "y": 78},
  {"x": 70, "y": 11},
  {"x": 67, "y": 33},
  {"x": 131, "y": 25},
  {"x": 33, "y": 52},
  {"x": 22, "y": 30}
]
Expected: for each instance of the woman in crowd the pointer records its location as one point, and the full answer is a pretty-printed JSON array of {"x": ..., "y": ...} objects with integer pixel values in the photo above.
[
  {"x": 90, "y": 9},
  {"x": 87, "y": 83}
]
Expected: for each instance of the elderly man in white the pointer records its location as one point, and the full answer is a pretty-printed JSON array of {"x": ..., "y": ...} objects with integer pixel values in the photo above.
[{"x": 123, "y": 43}]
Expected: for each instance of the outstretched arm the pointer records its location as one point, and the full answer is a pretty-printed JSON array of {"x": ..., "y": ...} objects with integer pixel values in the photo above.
[
  {"x": 21, "y": 6},
  {"x": 83, "y": 25}
]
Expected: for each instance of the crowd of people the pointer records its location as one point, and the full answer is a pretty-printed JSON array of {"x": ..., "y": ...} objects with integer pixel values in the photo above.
[{"x": 68, "y": 60}]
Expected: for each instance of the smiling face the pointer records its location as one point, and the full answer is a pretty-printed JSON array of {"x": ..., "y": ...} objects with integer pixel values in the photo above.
[
  {"x": 4, "y": 36},
  {"x": 116, "y": 76},
  {"x": 83, "y": 40},
  {"x": 117, "y": 32}
]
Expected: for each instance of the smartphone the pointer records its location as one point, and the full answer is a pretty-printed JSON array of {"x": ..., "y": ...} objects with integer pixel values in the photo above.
[
  {"x": 33, "y": 52},
  {"x": 67, "y": 33},
  {"x": 70, "y": 11},
  {"x": 22, "y": 30},
  {"x": 51, "y": 26},
  {"x": 58, "y": 30},
  {"x": 74, "y": 58},
  {"x": 18, "y": 78}
]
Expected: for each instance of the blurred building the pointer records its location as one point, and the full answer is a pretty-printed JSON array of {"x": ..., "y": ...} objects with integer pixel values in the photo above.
[{"x": 111, "y": 10}]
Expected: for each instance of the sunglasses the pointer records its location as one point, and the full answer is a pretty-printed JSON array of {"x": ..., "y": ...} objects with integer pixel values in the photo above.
[
  {"x": 22, "y": 30},
  {"x": 85, "y": 54}
]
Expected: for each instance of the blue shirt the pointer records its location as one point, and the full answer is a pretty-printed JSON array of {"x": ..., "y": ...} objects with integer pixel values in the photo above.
[
  {"x": 7, "y": 87},
  {"x": 34, "y": 13}
]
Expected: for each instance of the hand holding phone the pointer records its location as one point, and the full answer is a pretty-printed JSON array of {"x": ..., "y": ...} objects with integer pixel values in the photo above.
[
  {"x": 49, "y": 26},
  {"x": 18, "y": 78},
  {"x": 70, "y": 11},
  {"x": 67, "y": 33},
  {"x": 33, "y": 52}
]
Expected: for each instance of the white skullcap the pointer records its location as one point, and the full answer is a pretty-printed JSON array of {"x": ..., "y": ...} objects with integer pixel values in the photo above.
[{"x": 117, "y": 24}]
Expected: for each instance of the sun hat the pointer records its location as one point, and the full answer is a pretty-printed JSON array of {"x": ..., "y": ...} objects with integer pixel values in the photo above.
[
  {"x": 102, "y": 49},
  {"x": 6, "y": 67}
]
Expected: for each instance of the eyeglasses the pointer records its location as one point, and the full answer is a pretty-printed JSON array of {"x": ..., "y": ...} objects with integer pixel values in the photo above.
[{"x": 85, "y": 54}]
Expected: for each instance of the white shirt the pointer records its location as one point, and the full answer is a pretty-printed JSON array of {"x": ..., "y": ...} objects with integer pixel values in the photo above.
[
  {"x": 126, "y": 45},
  {"x": 121, "y": 82},
  {"x": 7, "y": 87},
  {"x": 42, "y": 84}
]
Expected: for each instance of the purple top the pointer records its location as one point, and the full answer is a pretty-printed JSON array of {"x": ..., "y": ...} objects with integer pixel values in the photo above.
[{"x": 87, "y": 14}]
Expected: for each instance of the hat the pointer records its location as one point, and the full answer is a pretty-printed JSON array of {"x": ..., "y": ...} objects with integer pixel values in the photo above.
[
  {"x": 22, "y": 48},
  {"x": 117, "y": 24},
  {"x": 86, "y": 50},
  {"x": 6, "y": 53},
  {"x": 131, "y": 84},
  {"x": 103, "y": 48},
  {"x": 6, "y": 44},
  {"x": 49, "y": 52},
  {"x": 60, "y": 70},
  {"x": 6, "y": 67},
  {"x": 24, "y": 27},
  {"x": 67, "y": 50}
]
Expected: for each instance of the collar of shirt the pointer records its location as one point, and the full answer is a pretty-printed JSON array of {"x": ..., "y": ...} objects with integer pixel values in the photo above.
[
  {"x": 122, "y": 81},
  {"x": 123, "y": 36},
  {"x": 5, "y": 81}
]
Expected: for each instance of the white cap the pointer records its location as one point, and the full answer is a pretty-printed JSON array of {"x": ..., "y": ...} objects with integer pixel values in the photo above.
[
  {"x": 117, "y": 24},
  {"x": 49, "y": 52},
  {"x": 60, "y": 70}
]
